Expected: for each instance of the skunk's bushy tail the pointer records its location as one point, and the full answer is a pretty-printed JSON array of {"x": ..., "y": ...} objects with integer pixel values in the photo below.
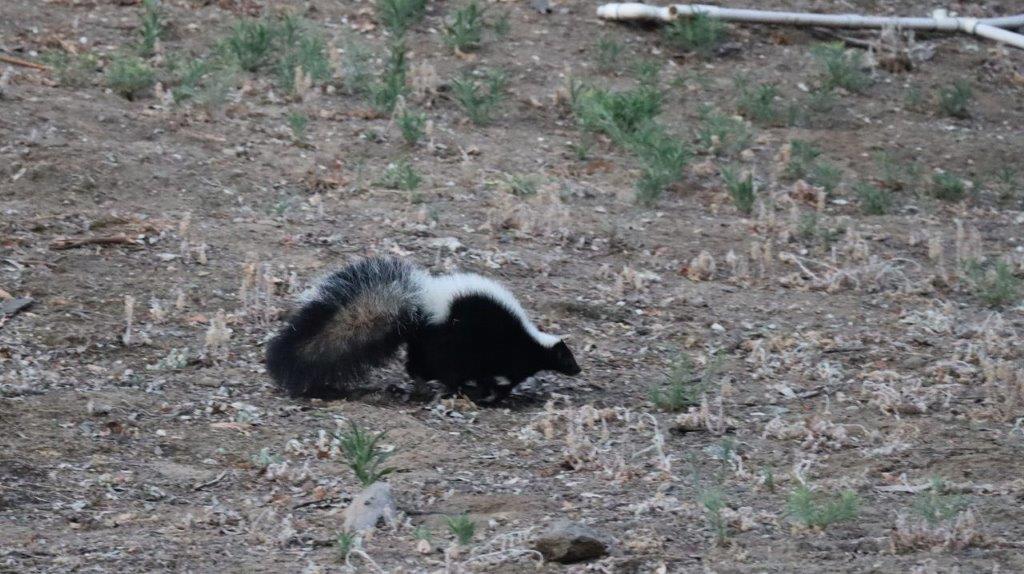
[{"x": 351, "y": 321}]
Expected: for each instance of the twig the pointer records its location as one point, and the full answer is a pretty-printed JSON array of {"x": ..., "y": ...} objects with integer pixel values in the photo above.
[
  {"x": 24, "y": 63},
  {"x": 203, "y": 485},
  {"x": 73, "y": 242}
]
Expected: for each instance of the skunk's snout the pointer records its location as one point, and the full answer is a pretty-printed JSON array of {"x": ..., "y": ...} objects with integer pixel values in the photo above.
[{"x": 564, "y": 360}]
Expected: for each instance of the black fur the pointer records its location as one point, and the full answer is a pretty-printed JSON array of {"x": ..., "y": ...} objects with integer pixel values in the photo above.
[{"x": 482, "y": 349}]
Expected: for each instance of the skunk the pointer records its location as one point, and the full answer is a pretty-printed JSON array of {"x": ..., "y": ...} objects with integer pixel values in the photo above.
[{"x": 464, "y": 330}]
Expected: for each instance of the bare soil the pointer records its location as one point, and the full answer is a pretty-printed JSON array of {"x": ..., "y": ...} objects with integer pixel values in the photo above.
[{"x": 875, "y": 367}]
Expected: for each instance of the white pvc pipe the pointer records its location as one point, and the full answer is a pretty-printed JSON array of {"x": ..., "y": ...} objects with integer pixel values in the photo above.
[{"x": 940, "y": 20}]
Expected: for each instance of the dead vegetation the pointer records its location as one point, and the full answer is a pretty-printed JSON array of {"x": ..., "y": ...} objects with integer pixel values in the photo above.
[{"x": 791, "y": 321}]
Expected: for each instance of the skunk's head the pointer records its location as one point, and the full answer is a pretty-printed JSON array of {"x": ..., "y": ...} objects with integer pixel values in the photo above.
[{"x": 561, "y": 359}]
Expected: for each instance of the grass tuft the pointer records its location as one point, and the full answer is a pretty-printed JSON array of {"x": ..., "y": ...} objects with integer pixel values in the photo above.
[
  {"x": 819, "y": 512},
  {"x": 362, "y": 454},
  {"x": 461, "y": 527},
  {"x": 934, "y": 506},
  {"x": 385, "y": 93},
  {"x": 948, "y": 187},
  {"x": 841, "y": 68},
  {"x": 298, "y": 122},
  {"x": 699, "y": 34},
  {"x": 72, "y": 70},
  {"x": 955, "y": 100},
  {"x": 129, "y": 77},
  {"x": 345, "y": 542},
  {"x": 720, "y": 134},
  {"x": 400, "y": 15},
  {"x": 465, "y": 32},
  {"x": 713, "y": 503},
  {"x": 873, "y": 200},
  {"x": 757, "y": 104},
  {"x": 151, "y": 27},
  {"x": 741, "y": 189},
  {"x": 400, "y": 175},
  {"x": 609, "y": 55},
  {"x": 480, "y": 99},
  {"x": 683, "y": 389},
  {"x": 994, "y": 284},
  {"x": 411, "y": 124}
]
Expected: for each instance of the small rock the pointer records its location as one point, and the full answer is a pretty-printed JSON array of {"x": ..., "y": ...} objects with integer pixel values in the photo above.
[
  {"x": 96, "y": 409},
  {"x": 568, "y": 542},
  {"x": 542, "y": 6},
  {"x": 369, "y": 507}
]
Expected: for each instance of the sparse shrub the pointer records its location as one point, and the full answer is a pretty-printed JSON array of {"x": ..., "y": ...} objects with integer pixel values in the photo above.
[
  {"x": 948, "y": 187},
  {"x": 151, "y": 27},
  {"x": 617, "y": 114},
  {"x": 355, "y": 69},
  {"x": 647, "y": 72},
  {"x": 841, "y": 68},
  {"x": 465, "y": 32},
  {"x": 400, "y": 15},
  {"x": 345, "y": 542},
  {"x": 385, "y": 93},
  {"x": 480, "y": 99},
  {"x": 758, "y": 104},
  {"x": 1008, "y": 184},
  {"x": 713, "y": 503},
  {"x": 896, "y": 173},
  {"x": 955, "y": 100},
  {"x": 362, "y": 454},
  {"x": 994, "y": 284},
  {"x": 663, "y": 157},
  {"x": 873, "y": 201},
  {"x": 129, "y": 77},
  {"x": 461, "y": 527},
  {"x": 741, "y": 189},
  {"x": 825, "y": 175},
  {"x": 305, "y": 52},
  {"x": 521, "y": 185},
  {"x": 699, "y": 34},
  {"x": 411, "y": 124},
  {"x": 251, "y": 43},
  {"x": 683, "y": 389},
  {"x": 805, "y": 162},
  {"x": 934, "y": 506},
  {"x": 720, "y": 134},
  {"x": 298, "y": 122},
  {"x": 609, "y": 53},
  {"x": 819, "y": 512},
  {"x": 72, "y": 70},
  {"x": 501, "y": 25},
  {"x": 400, "y": 175}
]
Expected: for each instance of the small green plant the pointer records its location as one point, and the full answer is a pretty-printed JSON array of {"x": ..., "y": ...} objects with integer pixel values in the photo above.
[
  {"x": 841, "y": 68},
  {"x": 150, "y": 27},
  {"x": 421, "y": 532},
  {"x": 935, "y": 506},
  {"x": 461, "y": 527},
  {"x": 805, "y": 162},
  {"x": 768, "y": 479},
  {"x": 699, "y": 34},
  {"x": 758, "y": 104},
  {"x": 720, "y": 134},
  {"x": 663, "y": 157},
  {"x": 1008, "y": 184},
  {"x": 521, "y": 185},
  {"x": 305, "y": 55},
  {"x": 618, "y": 115},
  {"x": 955, "y": 100},
  {"x": 480, "y": 99},
  {"x": 873, "y": 200},
  {"x": 264, "y": 458},
  {"x": 363, "y": 455},
  {"x": 345, "y": 542},
  {"x": 741, "y": 189},
  {"x": 400, "y": 175},
  {"x": 948, "y": 187},
  {"x": 251, "y": 44},
  {"x": 129, "y": 77},
  {"x": 355, "y": 69},
  {"x": 713, "y": 503},
  {"x": 995, "y": 284},
  {"x": 825, "y": 175},
  {"x": 807, "y": 226},
  {"x": 647, "y": 72},
  {"x": 896, "y": 173},
  {"x": 609, "y": 54},
  {"x": 298, "y": 122},
  {"x": 72, "y": 70},
  {"x": 411, "y": 124},
  {"x": 819, "y": 512},
  {"x": 385, "y": 93},
  {"x": 400, "y": 15},
  {"x": 465, "y": 32},
  {"x": 683, "y": 389}
]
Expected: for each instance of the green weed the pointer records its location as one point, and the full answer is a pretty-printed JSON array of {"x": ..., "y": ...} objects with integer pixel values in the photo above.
[
  {"x": 699, "y": 34},
  {"x": 521, "y": 185},
  {"x": 461, "y": 527},
  {"x": 385, "y": 93},
  {"x": 400, "y": 175},
  {"x": 609, "y": 54},
  {"x": 345, "y": 542},
  {"x": 480, "y": 99},
  {"x": 720, "y": 134},
  {"x": 713, "y": 502},
  {"x": 995, "y": 284},
  {"x": 841, "y": 68},
  {"x": 355, "y": 69},
  {"x": 465, "y": 32},
  {"x": 758, "y": 104},
  {"x": 298, "y": 122},
  {"x": 151, "y": 27},
  {"x": 411, "y": 124},
  {"x": 305, "y": 53},
  {"x": 934, "y": 506},
  {"x": 741, "y": 189},
  {"x": 683, "y": 389},
  {"x": 251, "y": 44},
  {"x": 873, "y": 201},
  {"x": 129, "y": 77},
  {"x": 400, "y": 15},
  {"x": 72, "y": 70},
  {"x": 363, "y": 455},
  {"x": 955, "y": 100},
  {"x": 819, "y": 512},
  {"x": 948, "y": 187}
]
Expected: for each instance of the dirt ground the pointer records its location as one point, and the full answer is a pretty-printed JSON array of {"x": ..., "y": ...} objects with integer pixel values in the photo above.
[{"x": 849, "y": 351}]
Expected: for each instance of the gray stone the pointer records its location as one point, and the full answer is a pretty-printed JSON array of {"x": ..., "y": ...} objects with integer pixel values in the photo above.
[
  {"x": 369, "y": 507},
  {"x": 568, "y": 542}
]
